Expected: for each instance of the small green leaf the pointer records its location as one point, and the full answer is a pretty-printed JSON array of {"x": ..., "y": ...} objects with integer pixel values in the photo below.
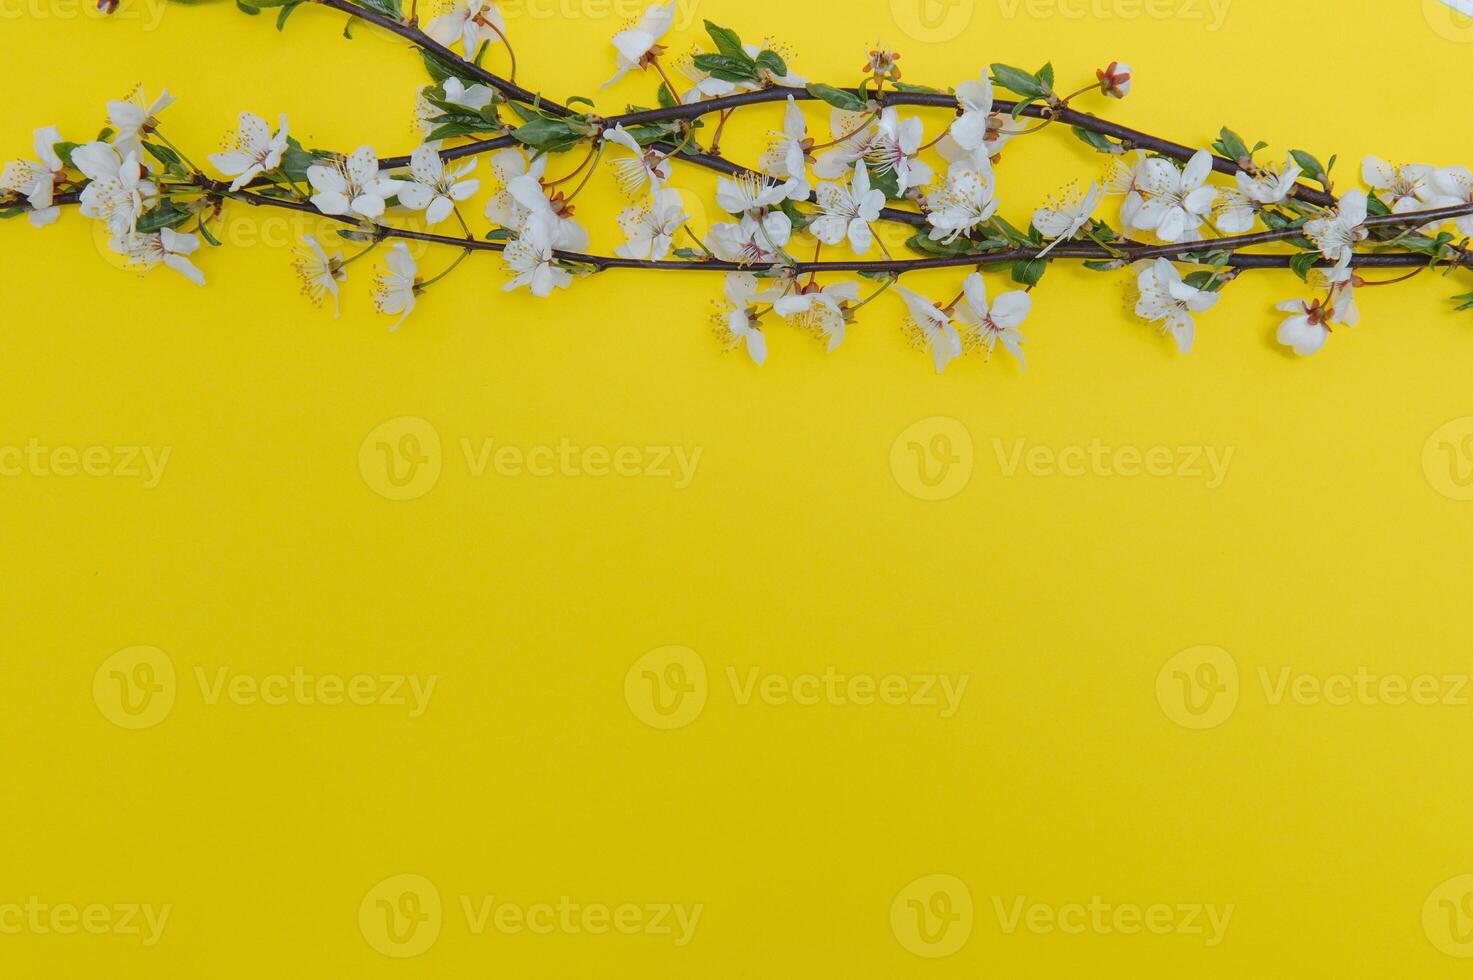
[
  {"x": 1017, "y": 80},
  {"x": 548, "y": 135},
  {"x": 1028, "y": 272},
  {"x": 286, "y": 12},
  {"x": 838, "y": 98},
  {"x": 773, "y": 62},
  {"x": 728, "y": 42},
  {"x": 166, "y": 215},
  {"x": 727, "y": 68},
  {"x": 1096, "y": 140},
  {"x": 1302, "y": 263}
]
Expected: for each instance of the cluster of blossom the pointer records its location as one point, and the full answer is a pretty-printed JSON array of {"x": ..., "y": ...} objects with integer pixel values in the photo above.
[{"x": 833, "y": 188}]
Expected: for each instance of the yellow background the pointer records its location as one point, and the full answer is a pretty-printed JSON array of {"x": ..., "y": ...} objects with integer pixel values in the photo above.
[{"x": 794, "y": 549}]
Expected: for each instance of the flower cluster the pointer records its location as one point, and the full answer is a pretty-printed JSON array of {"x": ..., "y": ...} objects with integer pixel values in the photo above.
[{"x": 801, "y": 228}]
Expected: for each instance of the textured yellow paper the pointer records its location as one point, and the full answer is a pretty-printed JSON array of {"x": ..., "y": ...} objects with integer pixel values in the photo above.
[{"x": 604, "y": 738}]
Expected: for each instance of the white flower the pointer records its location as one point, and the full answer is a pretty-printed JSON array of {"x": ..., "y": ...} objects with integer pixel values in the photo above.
[
  {"x": 118, "y": 190},
  {"x": 1454, "y": 186},
  {"x": 320, "y": 273},
  {"x": 963, "y": 202},
  {"x": 1336, "y": 236},
  {"x": 256, "y": 151},
  {"x": 1177, "y": 201},
  {"x": 932, "y": 328},
  {"x": 641, "y": 43},
  {"x": 894, "y": 148},
  {"x": 531, "y": 258},
  {"x": 530, "y": 197},
  {"x": 649, "y": 168},
  {"x": 1309, "y": 327},
  {"x": 1240, "y": 206},
  {"x": 751, "y": 241},
  {"x": 749, "y": 194},
  {"x": 787, "y": 158},
  {"x": 821, "y": 312},
  {"x": 737, "y": 325},
  {"x": 1405, "y": 188},
  {"x": 352, "y": 186},
  {"x": 707, "y": 86},
  {"x": 397, "y": 287},
  {"x": 1166, "y": 299},
  {"x": 853, "y": 135},
  {"x": 435, "y": 190},
  {"x": 848, "y": 211},
  {"x": 167, "y": 246},
  {"x": 134, "y": 117},
  {"x": 997, "y": 322},
  {"x": 977, "y": 134},
  {"x": 506, "y": 166},
  {"x": 472, "y": 22},
  {"x": 1124, "y": 177},
  {"x": 651, "y": 230},
  {"x": 35, "y": 180},
  {"x": 1063, "y": 218}
]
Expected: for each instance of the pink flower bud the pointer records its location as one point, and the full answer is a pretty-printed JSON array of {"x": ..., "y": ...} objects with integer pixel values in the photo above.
[{"x": 1114, "y": 80}]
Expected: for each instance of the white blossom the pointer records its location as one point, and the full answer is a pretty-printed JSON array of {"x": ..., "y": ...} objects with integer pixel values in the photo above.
[
  {"x": 472, "y": 23},
  {"x": 1238, "y": 209},
  {"x": 853, "y": 135},
  {"x": 1454, "y": 186},
  {"x": 434, "y": 189},
  {"x": 255, "y": 150},
  {"x": 1406, "y": 188},
  {"x": 134, "y": 117},
  {"x": 166, "y": 246},
  {"x": 751, "y": 241},
  {"x": 1063, "y": 218},
  {"x": 651, "y": 230},
  {"x": 648, "y": 169},
  {"x": 932, "y": 328},
  {"x": 1337, "y": 235},
  {"x": 35, "y": 180},
  {"x": 1168, "y": 300},
  {"x": 1178, "y": 201},
  {"x": 320, "y": 273},
  {"x": 787, "y": 158},
  {"x": 894, "y": 147},
  {"x": 532, "y": 260},
  {"x": 119, "y": 189},
  {"x": 641, "y": 42},
  {"x": 848, "y": 211},
  {"x": 990, "y": 323},
  {"x": 823, "y": 312},
  {"x": 397, "y": 287},
  {"x": 352, "y": 185},
  {"x": 966, "y": 200}
]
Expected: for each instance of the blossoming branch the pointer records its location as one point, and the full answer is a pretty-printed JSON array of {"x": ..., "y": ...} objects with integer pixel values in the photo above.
[{"x": 799, "y": 244}]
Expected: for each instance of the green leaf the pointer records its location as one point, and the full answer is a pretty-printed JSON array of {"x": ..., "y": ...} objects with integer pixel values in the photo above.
[
  {"x": 389, "y": 8},
  {"x": 773, "y": 62},
  {"x": 887, "y": 181},
  {"x": 548, "y": 135},
  {"x": 286, "y": 12},
  {"x": 1231, "y": 145},
  {"x": 204, "y": 232},
  {"x": 1466, "y": 300},
  {"x": 295, "y": 161},
  {"x": 1302, "y": 263},
  {"x": 727, "y": 68},
  {"x": 922, "y": 242},
  {"x": 918, "y": 89},
  {"x": 689, "y": 254},
  {"x": 728, "y": 42},
  {"x": 667, "y": 98},
  {"x": 441, "y": 69},
  {"x": 11, "y": 213},
  {"x": 1017, "y": 80},
  {"x": 246, "y": 8},
  {"x": 166, "y": 215},
  {"x": 64, "y": 150},
  {"x": 838, "y": 98},
  {"x": 1028, "y": 272},
  {"x": 1096, "y": 140}
]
